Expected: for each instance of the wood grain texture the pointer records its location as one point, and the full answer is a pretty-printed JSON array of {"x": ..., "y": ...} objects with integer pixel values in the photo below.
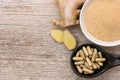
[{"x": 27, "y": 51}]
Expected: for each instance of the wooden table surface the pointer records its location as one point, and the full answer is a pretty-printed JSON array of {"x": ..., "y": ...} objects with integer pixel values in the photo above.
[{"x": 27, "y": 51}]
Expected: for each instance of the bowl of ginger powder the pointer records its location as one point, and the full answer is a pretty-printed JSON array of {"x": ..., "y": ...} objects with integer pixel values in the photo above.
[{"x": 100, "y": 21}]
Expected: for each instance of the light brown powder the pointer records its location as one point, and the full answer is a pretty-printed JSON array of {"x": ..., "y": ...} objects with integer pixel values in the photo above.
[{"x": 102, "y": 20}]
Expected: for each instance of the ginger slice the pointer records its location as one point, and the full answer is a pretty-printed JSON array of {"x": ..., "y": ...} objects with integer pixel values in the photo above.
[
  {"x": 69, "y": 12},
  {"x": 69, "y": 40},
  {"x": 57, "y": 35}
]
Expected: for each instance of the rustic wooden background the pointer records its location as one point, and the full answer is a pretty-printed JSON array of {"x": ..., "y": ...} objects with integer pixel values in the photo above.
[{"x": 27, "y": 51}]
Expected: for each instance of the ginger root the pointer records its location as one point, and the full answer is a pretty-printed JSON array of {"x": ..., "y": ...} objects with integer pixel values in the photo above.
[
  {"x": 57, "y": 35},
  {"x": 69, "y": 12},
  {"x": 69, "y": 40}
]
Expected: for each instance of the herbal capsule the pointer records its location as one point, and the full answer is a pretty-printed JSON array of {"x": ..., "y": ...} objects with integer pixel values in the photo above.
[
  {"x": 79, "y": 69},
  {"x": 98, "y": 67},
  {"x": 89, "y": 67},
  {"x": 100, "y": 63},
  {"x": 93, "y": 57},
  {"x": 78, "y": 54},
  {"x": 88, "y": 70},
  {"x": 100, "y": 59},
  {"x": 89, "y": 50},
  {"x": 79, "y": 63},
  {"x": 92, "y": 50},
  {"x": 77, "y": 58},
  {"x": 94, "y": 66},
  {"x": 89, "y": 61},
  {"x": 96, "y": 55},
  {"x": 100, "y": 55},
  {"x": 82, "y": 66},
  {"x": 85, "y": 51},
  {"x": 82, "y": 54},
  {"x": 95, "y": 51},
  {"x": 86, "y": 73}
]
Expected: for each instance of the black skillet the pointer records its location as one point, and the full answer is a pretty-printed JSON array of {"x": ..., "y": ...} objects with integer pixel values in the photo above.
[{"x": 111, "y": 61}]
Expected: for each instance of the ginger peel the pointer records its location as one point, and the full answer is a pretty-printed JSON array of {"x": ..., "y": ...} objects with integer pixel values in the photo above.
[{"x": 69, "y": 12}]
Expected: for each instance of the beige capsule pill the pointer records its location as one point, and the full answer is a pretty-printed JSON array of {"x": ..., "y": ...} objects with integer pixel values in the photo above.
[
  {"x": 78, "y": 54},
  {"x": 88, "y": 70},
  {"x": 95, "y": 51},
  {"x": 94, "y": 66},
  {"x": 98, "y": 67},
  {"x": 100, "y": 59},
  {"x": 85, "y": 51},
  {"x": 77, "y": 58},
  {"x": 100, "y": 55},
  {"x": 93, "y": 57},
  {"x": 82, "y": 54},
  {"x": 86, "y": 73},
  {"x": 89, "y": 61},
  {"x": 87, "y": 66},
  {"x": 96, "y": 55},
  {"x": 79, "y": 69},
  {"x": 89, "y": 50},
  {"x": 92, "y": 50},
  {"x": 100, "y": 63},
  {"x": 83, "y": 66},
  {"x": 79, "y": 63}
]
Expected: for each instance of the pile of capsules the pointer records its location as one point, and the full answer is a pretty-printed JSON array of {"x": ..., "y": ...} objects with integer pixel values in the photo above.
[{"x": 88, "y": 59}]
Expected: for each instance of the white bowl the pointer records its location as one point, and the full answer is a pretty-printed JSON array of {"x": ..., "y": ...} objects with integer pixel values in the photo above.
[{"x": 87, "y": 34}]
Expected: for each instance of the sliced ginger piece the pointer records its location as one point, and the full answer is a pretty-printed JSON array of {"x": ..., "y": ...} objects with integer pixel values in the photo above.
[
  {"x": 57, "y": 35},
  {"x": 69, "y": 40}
]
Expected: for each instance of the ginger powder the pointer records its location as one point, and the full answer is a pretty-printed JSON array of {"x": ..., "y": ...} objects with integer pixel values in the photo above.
[{"x": 102, "y": 20}]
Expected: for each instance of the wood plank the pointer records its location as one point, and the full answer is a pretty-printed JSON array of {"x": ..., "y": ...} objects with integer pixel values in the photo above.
[{"x": 27, "y": 51}]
